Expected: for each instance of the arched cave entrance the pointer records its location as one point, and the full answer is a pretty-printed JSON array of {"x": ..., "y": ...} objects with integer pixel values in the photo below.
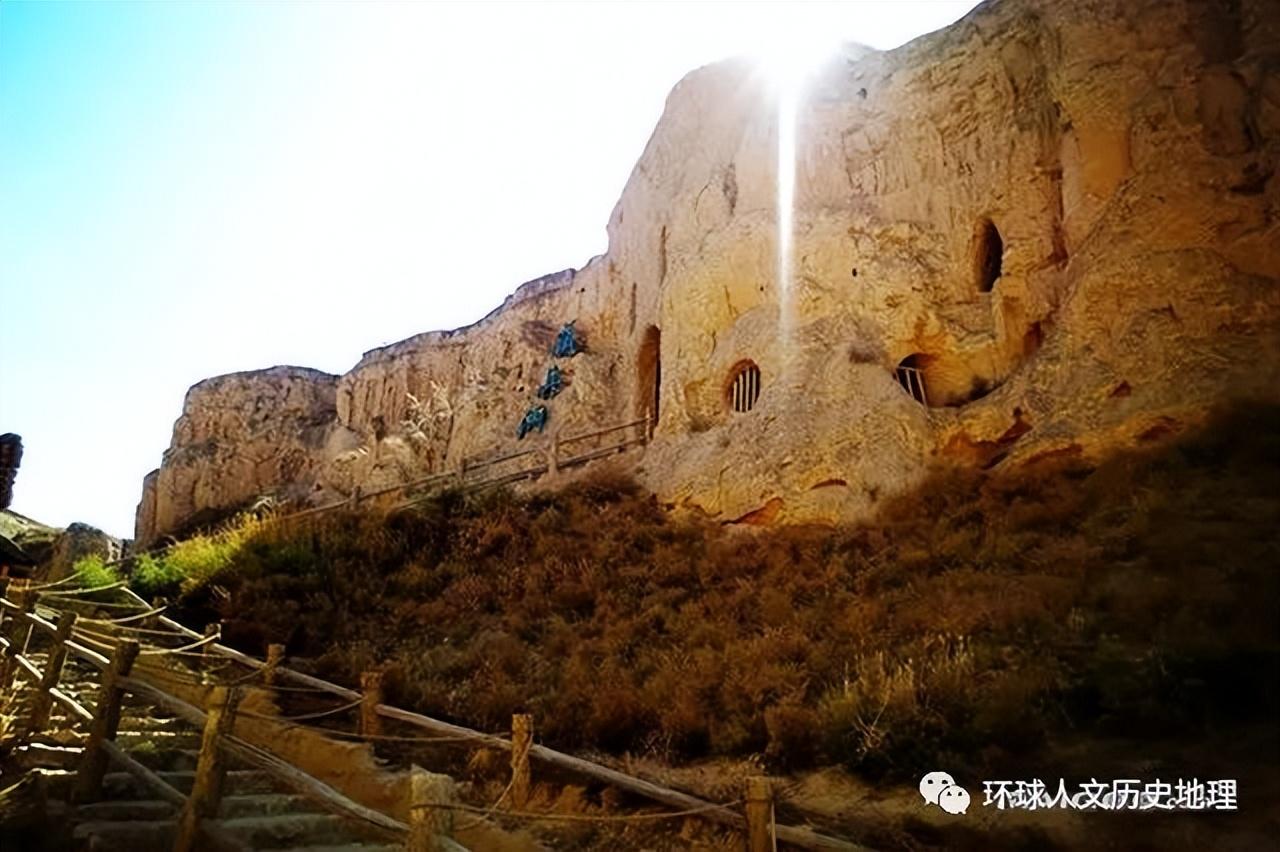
[
  {"x": 988, "y": 255},
  {"x": 649, "y": 374}
]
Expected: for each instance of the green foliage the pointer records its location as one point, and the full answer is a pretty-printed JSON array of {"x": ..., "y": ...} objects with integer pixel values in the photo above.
[
  {"x": 92, "y": 572},
  {"x": 191, "y": 565},
  {"x": 155, "y": 576},
  {"x": 965, "y": 626}
]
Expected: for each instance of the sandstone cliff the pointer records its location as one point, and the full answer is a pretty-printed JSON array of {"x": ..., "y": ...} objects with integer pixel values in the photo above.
[{"x": 1051, "y": 227}]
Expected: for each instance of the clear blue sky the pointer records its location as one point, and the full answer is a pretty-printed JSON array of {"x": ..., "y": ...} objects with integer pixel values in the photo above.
[{"x": 188, "y": 189}]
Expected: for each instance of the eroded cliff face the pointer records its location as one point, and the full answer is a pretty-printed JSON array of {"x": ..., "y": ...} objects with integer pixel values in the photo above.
[
  {"x": 1060, "y": 219},
  {"x": 240, "y": 436}
]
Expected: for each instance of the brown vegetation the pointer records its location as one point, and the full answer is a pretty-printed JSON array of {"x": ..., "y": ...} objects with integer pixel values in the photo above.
[{"x": 1134, "y": 598}]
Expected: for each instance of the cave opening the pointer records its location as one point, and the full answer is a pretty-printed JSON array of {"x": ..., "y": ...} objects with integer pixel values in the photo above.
[
  {"x": 910, "y": 374},
  {"x": 988, "y": 255},
  {"x": 649, "y": 372},
  {"x": 744, "y": 387}
]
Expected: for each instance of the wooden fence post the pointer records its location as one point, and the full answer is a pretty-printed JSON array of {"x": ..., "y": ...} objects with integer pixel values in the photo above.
[
  {"x": 43, "y": 701},
  {"x": 4, "y": 593},
  {"x": 553, "y": 454},
  {"x": 206, "y": 790},
  {"x": 206, "y": 652},
  {"x": 428, "y": 822},
  {"x": 153, "y": 622},
  {"x": 758, "y": 805},
  {"x": 521, "y": 741},
  {"x": 649, "y": 424},
  {"x": 18, "y": 639},
  {"x": 106, "y": 719},
  {"x": 355, "y": 496},
  {"x": 371, "y": 696},
  {"x": 29, "y": 598},
  {"x": 275, "y": 655}
]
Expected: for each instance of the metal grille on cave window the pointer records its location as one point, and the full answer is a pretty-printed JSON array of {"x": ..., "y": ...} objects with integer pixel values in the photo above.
[
  {"x": 744, "y": 389},
  {"x": 911, "y": 376}
]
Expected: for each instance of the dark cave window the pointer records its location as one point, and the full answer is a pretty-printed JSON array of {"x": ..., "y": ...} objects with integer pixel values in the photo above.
[{"x": 988, "y": 255}]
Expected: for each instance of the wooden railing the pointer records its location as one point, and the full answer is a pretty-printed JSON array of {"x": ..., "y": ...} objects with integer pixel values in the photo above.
[
  {"x": 198, "y": 810},
  {"x": 430, "y": 814},
  {"x": 476, "y": 473}
]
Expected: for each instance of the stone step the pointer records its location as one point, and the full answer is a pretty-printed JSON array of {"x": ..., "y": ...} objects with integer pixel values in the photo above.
[
  {"x": 257, "y": 805},
  {"x": 266, "y": 804},
  {"x": 57, "y": 781},
  {"x": 287, "y": 830},
  {"x": 163, "y": 758},
  {"x": 134, "y": 836},
  {"x": 137, "y": 810},
  {"x": 52, "y": 756},
  {"x": 122, "y": 785}
]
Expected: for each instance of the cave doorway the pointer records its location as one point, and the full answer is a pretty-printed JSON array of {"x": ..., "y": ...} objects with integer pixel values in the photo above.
[
  {"x": 988, "y": 255},
  {"x": 649, "y": 374}
]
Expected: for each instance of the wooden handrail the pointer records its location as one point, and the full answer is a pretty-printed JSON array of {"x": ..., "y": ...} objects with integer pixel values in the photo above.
[
  {"x": 72, "y": 706},
  {"x": 798, "y": 836},
  {"x": 490, "y": 462},
  {"x": 93, "y": 658},
  {"x": 29, "y": 668},
  {"x": 297, "y": 779},
  {"x": 468, "y": 464},
  {"x": 644, "y": 421},
  {"x": 340, "y": 804},
  {"x": 103, "y": 722}
]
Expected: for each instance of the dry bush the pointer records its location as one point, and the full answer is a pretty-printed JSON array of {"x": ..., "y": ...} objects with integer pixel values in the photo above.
[{"x": 977, "y": 615}]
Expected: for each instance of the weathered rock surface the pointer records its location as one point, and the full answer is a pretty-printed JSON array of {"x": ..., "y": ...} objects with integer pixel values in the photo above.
[
  {"x": 240, "y": 436},
  {"x": 74, "y": 543},
  {"x": 10, "y": 461},
  {"x": 1066, "y": 216}
]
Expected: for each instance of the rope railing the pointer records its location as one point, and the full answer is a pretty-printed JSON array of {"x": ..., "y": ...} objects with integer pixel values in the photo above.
[
  {"x": 800, "y": 837},
  {"x": 185, "y": 649},
  {"x": 128, "y": 618},
  {"x": 79, "y": 592},
  {"x": 34, "y": 586},
  {"x": 467, "y": 466},
  {"x": 320, "y": 714},
  {"x": 121, "y": 651}
]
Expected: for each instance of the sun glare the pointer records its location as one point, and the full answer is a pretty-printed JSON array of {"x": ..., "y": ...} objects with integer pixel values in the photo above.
[{"x": 789, "y": 63}]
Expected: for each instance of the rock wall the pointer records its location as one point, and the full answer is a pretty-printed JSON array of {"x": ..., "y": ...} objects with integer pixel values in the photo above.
[
  {"x": 77, "y": 542},
  {"x": 1062, "y": 217},
  {"x": 240, "y": 436}
]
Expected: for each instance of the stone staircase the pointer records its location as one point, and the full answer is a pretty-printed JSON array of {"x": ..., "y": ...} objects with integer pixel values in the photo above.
[{"x": 257, "y": 812}]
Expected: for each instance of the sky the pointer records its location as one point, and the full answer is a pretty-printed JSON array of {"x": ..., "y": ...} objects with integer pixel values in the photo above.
[{"x": 189, "y": 189}]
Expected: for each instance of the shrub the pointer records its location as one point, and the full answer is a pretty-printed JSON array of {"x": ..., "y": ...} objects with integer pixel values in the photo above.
[
  {"x": 976, "y": 616},
  {"x": 92, "y": 571},
  {"x": 155, "y": 576}
]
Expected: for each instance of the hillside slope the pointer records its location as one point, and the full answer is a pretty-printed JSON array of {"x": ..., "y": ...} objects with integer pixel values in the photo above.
[{"x": 975, "y": 624}]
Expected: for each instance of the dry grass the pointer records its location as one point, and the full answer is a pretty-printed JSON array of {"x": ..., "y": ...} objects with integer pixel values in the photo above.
[{"x": 977, "y": 618}]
